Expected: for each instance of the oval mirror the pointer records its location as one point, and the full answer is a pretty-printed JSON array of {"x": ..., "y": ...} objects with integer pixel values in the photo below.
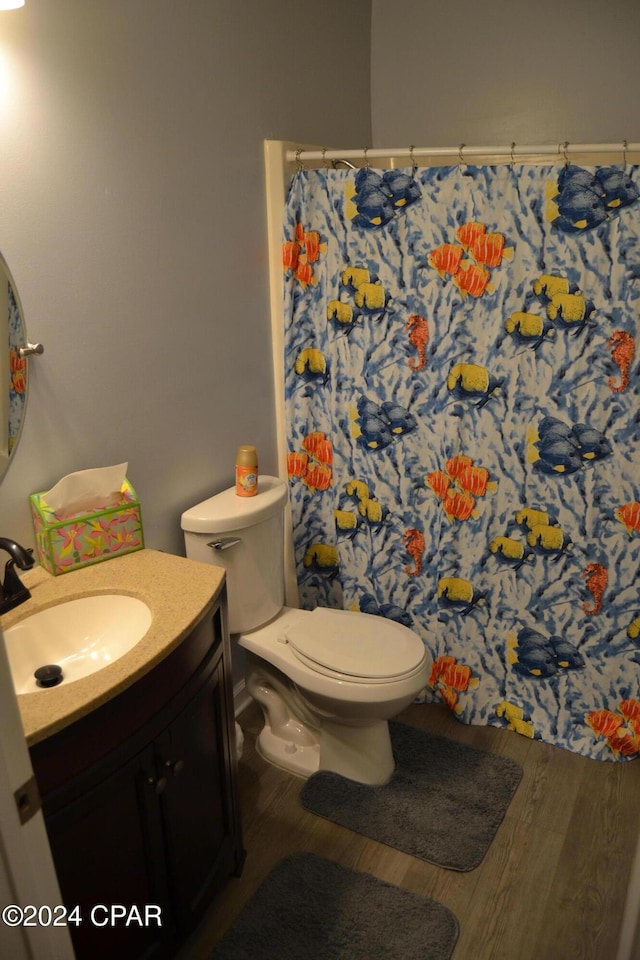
[{"x": 13, "y": 367}]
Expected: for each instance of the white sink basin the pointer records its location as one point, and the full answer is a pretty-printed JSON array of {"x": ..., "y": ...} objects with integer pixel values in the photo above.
[{"x": 81, "y": 636}]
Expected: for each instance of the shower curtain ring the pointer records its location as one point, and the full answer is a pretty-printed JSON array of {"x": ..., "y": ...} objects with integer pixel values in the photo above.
[
  {"x": 411, "y": 156},
  {"x": 324, "y": 159},
  {"x": 461, "y": 161},
  {"x": 513, "y": 146},
  {"x": 298, "y": 160},
  {"x": 367, "y": 162},
  {"x": 624, "y": 154},
  {"x": 564, "y": 152}
]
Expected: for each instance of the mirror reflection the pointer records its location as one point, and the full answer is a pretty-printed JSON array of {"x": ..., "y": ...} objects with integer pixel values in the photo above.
[{"x": 13, "y": 368}]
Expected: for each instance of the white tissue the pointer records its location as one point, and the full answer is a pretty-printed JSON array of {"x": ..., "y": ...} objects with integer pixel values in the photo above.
[{"x": 86, "y": 490}]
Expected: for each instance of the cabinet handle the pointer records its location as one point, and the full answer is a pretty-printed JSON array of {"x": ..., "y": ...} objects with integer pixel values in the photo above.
[
  {"x": 176, "y": 766},
  {"x": 158, "y": 785}
]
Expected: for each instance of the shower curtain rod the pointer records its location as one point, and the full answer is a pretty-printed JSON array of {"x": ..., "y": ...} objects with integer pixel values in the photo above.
[{"x": 463, "y": 152}]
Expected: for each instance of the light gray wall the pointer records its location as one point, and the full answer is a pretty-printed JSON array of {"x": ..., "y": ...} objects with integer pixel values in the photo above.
[
  {"x": 133, "y": 220},
  {"x": 504, "y": 70}
]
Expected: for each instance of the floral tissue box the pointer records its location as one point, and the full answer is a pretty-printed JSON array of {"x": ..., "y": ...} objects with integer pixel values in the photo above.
[{"x": 77, "y": 541}]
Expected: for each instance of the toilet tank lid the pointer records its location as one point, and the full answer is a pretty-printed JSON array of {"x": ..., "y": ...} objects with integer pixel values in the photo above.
[{"x": 226, "y": 511}]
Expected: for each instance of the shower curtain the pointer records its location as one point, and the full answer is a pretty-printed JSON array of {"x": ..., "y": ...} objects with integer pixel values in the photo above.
[
  {"x": 461, "y": 384},
  {"x": 17, "y": 371}
]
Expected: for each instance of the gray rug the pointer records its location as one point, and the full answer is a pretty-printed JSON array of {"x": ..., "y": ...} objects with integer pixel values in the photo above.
[
  {"x": 309, "y": 908},
  {"x": 443, "y": 804}
]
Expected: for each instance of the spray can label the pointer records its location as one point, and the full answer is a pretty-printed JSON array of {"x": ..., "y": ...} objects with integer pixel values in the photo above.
[{"x": 246, "y": 481}]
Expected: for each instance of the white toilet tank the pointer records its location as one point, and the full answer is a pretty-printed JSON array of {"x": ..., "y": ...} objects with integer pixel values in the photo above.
[{"x": 245, "y": 536}]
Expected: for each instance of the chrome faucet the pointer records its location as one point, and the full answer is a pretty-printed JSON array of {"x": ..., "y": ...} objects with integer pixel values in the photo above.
[{"x": 13, "y": 592}]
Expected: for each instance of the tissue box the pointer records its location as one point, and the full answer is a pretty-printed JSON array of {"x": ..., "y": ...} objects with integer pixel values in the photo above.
[{"x": 86, "y": 538}]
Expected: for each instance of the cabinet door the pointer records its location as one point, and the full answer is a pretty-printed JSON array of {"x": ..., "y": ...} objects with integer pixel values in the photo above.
[
  {"x": 107, "y": 848},
  {"x": 197, "y": 808}
]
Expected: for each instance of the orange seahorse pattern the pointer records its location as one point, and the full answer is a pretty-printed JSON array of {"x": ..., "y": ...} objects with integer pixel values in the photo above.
[
  {"x": 622, "y": 354},
  {"x": 414, "y": 540},
  {"x": 418, "y": 337},
  {"x": 596, "y": 577}
]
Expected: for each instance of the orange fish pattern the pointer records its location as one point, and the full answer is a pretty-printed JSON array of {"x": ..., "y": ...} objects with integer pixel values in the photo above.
[
  {"x": 604, "y": 723},
  {"x": 459, "y": 506},
  {"x": 449, "y": 678},
  {"x": 471, "y": 479},
  {"x": 473, "y": 279},
  {"x": 630, "y": 710},
  {"x": 462, "y": 392},
  {"x": 470, "y": 232},
  {"x": 485, "y": 248},
  {"x": 18, "y": 370},
  {"x": 629, "y": 515},
  {"x": 619, "y": 728},
  {"x": 439, "y": 482},
  {"x": 312, "y": 464},
  {"x": 489, "y": 250},
  {"x": 319, "y": 446},
  {"x": 297, "y": 463},
  {"x": 299, "y": 255},
  {"x": 290, "y": 254},
  {"x": 459, "y": 487},
  {"x": 446, "y": 259}
]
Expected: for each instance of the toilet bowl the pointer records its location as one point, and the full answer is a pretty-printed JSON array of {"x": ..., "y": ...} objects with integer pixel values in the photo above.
[{"x": 327, "y": 681}]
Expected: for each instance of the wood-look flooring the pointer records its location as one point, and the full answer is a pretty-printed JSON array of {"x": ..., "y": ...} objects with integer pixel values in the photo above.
[{"x": 552, "y": 885}]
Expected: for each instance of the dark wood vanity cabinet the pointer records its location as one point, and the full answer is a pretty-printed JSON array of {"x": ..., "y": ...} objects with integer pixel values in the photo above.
[{"x": 140, "y": 803}]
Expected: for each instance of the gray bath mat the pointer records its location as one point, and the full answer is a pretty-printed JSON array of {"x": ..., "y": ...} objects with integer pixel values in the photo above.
[
  {"x": 309, "y": 908},
  {"x": 443, "y": 804}
]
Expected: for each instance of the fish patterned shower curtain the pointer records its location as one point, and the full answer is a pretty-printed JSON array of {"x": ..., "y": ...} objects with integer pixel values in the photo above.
[
  {"x": 17, "y": 370},
  {"x": 462, "y": 398}
]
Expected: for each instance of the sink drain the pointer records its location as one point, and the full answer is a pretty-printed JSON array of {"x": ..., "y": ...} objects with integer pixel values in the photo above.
[{"x": 49, "y": 676}]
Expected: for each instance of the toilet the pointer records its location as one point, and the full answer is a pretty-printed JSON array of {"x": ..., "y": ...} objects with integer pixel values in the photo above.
[{"x": 327, "y": 681}]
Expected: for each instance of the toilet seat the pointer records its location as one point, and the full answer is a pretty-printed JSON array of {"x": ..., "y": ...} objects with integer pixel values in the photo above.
[{"x": 352, "y": 646}]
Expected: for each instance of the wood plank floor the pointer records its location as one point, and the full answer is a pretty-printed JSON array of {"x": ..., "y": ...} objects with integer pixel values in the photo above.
[{"x": 551, "y": 887}]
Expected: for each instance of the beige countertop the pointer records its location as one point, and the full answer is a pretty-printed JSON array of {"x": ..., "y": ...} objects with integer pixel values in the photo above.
[{"x": 178, "y": 591}]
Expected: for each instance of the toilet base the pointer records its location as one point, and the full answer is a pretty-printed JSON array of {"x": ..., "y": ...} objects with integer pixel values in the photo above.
[
  {"x": 302, "y": 737},
  {"x": 289, "y": 756},
  {"x": 361, "y": 753}
]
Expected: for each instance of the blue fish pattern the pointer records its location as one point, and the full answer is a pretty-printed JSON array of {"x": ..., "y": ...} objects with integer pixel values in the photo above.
[{"x": 464, "y": 442}]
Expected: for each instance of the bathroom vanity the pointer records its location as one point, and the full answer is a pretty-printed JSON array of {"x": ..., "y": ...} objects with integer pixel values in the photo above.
[{"x": 138, "y": 786}]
